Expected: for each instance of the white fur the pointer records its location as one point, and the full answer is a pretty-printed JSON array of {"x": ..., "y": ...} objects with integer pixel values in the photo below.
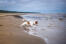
[
  {"x": 31, "y": 23},
  {"x": 24, "y": 24}
]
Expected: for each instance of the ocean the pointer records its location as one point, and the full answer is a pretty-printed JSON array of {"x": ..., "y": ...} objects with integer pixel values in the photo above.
[{"x": 50, "y": 27}]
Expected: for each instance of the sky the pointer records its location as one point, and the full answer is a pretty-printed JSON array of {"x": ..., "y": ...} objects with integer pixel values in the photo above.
[{"x": 42, "y": 6}]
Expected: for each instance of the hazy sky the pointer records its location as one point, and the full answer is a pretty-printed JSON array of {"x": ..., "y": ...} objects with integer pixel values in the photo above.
[{"x": 43, "y": 6}]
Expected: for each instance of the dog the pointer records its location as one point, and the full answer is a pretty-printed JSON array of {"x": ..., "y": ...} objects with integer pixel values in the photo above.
[{"x": 29, "y": 25}]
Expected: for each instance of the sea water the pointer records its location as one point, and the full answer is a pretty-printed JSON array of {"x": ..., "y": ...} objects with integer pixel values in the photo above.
[{"x": 50, "y": 28}]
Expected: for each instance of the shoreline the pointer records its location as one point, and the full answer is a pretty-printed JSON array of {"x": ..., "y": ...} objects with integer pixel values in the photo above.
[{"x": 12, "y": 33}]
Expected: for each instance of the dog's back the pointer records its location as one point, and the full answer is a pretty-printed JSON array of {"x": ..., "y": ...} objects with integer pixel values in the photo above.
[{"x": 30, "y": 23}]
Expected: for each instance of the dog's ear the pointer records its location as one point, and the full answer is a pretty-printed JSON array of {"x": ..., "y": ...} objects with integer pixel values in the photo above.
[
  {"x": 36, "y": 22},
  {"x": 28, "y": 22}
]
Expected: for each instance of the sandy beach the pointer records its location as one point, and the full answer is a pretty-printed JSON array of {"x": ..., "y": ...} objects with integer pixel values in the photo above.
[
  {"x": 12, "y": 33},
  {"x": 51, "y": 29}
]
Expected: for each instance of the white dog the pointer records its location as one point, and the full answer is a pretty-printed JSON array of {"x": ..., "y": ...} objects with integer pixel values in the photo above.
[{"x": 29, "y": 24}]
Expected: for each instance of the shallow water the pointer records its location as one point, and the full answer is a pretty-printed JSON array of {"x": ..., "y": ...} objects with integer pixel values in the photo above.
[{"x": 50, "y": 28}]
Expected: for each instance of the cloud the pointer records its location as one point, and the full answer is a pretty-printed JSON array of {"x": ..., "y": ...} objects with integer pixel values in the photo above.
[
  {"x": 33, "y": 5},
  {"x": 7, "y": 2}
]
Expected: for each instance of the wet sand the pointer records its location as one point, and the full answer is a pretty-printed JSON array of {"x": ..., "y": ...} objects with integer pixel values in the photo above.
[{"x": 12, "y": 33}]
